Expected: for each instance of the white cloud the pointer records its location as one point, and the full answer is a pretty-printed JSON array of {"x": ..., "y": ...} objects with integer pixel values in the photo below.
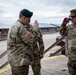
[{"x": 44, "y": 10}]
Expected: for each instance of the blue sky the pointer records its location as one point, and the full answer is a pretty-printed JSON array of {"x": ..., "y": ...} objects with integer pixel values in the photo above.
[{"x": 45, "y": 11}]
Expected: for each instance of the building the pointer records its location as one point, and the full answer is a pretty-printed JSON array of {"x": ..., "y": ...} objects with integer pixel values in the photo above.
[
  {"x": 48, "y": 28},
  {"x": 44, "y": 27}
]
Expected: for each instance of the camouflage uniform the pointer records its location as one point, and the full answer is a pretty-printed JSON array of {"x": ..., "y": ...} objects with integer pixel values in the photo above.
[
  {"x": 38, "y": 48},
  {"x": 19, "y": 48},
  {"x": 70, "y": 31}
]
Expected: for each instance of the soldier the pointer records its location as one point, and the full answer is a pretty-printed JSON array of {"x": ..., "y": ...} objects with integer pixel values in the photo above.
[
  {"x": 38, "y": 50},
  {"x": 70, "y": 31},
  {"x": 20, "y": 44}
]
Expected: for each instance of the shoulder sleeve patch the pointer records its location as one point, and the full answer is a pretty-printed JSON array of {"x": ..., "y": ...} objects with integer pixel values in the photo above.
[{"x": 27, "y": 34}]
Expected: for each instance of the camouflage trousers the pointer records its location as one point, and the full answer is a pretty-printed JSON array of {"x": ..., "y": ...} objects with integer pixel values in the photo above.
[
  {"x": 36, "y": 67},
  {"x": 24, "y": 70},
  {"x": 72, "y": 67},
  {"x": 20, "y": 70}
]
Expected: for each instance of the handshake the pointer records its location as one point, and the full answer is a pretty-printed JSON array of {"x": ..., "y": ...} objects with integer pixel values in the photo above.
[{"x": 65, "y": 21}]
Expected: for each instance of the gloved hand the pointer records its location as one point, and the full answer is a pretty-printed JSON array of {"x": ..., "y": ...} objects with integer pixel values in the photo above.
[{"x": 65, "y": 21}]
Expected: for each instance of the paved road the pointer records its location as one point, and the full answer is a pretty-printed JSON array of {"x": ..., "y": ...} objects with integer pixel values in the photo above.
[
  {"x": 3, "y": 46},
  {"x": 55, "y": 63},
  {"x": 49, "y": 39}
]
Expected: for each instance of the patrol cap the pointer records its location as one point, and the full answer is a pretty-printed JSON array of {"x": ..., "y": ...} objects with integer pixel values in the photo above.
[
  {"x": 73, "y": 13},
  {"x": 26, "y": 12}
]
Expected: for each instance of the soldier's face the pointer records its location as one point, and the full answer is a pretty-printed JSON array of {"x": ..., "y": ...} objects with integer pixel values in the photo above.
[
  {"x": 26, "y": 20},
  {"x": 73, "y": 20}
]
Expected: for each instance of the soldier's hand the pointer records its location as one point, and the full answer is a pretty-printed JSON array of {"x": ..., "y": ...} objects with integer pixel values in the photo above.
[
  {"x": 36, "y": 24},
  {"x": 65, "y": 21},
  {"x": 41, "y": 56}
]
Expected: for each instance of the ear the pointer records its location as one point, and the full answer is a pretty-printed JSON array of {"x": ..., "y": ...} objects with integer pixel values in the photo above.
[{"x": 23, "y": 17}]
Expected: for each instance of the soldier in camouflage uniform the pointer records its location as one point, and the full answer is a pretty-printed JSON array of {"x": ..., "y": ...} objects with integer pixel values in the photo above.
[
  {"x": 20, "y": 44},
  {"x": 70, "y": 31},
  {"x": 38, "y": 50}
]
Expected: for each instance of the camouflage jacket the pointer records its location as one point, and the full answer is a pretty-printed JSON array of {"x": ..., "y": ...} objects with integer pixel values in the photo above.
[
  {"x": 70, "y": 31},
  {"x": 19, "y": 48},
  {"x": 38, "y": 45}
]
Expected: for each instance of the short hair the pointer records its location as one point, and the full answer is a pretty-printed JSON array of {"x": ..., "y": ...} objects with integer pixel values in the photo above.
[{"x": 20, "y": 15}]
